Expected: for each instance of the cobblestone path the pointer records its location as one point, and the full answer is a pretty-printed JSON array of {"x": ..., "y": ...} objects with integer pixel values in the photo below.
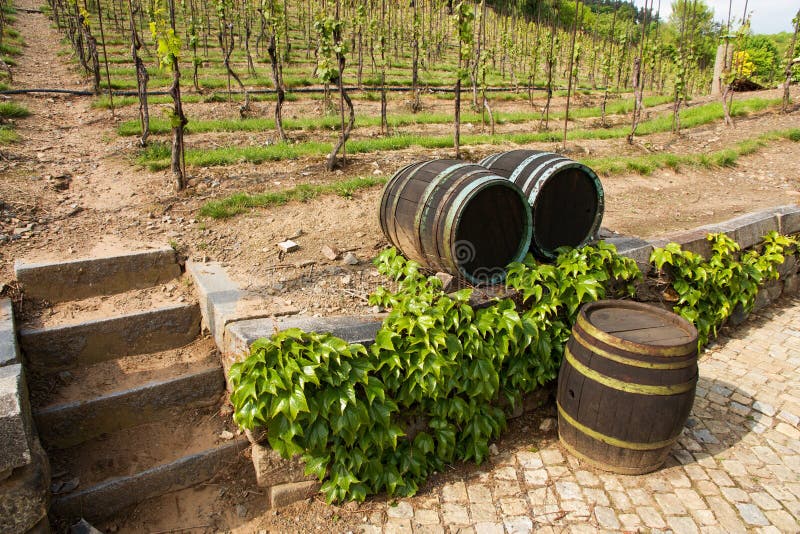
[{"x": 736, "y": 467}]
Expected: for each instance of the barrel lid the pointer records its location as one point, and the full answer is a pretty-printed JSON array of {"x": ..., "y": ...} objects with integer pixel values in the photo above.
[{"x": 640, "y": 324}]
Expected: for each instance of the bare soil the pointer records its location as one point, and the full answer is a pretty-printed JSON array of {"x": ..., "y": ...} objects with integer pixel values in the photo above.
[
  {"x": 122, "y": 373},
  {"x": 70, "y": 187}
]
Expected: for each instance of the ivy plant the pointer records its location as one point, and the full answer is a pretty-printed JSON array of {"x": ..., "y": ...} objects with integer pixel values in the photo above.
[
  {"x": 430, "y": 390},
  {"x": 710, "y": 290}
]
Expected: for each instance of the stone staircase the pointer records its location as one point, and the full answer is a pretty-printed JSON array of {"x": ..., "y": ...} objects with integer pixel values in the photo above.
[{"x": 126, "y": 393}]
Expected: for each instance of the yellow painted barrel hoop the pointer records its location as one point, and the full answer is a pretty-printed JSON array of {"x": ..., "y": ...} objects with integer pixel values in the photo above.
[
  {"x": 627, "y": 387},
  {"x": 578, "y": 337},
  {"x": 685, "y": 349}
]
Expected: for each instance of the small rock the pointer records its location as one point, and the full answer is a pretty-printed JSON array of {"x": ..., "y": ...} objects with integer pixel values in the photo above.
[
  {"x": 350, "y": 259},
  {"x": 83, "y": 527},
  {"x": 330, "y": 252},
  {"x": 447, "y": 281},
  {"x": 304, "y": 263},
  {"x": 297, "y": 233},
  {"x": 288, "y": 246},
  {"x": 226, "y": 435},
  {"x": 241, "y": 511},
  {"x": 377, "y": 309},
  {"x": 548, "y": 425},
  {"x": 346, "y": 280},
  {"x": 493, "y": 450}
]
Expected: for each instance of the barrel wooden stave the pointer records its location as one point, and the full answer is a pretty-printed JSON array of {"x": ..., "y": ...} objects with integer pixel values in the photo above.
[
  {"x": 427, "y": 208},
  {"x": 624, "y": 431}
]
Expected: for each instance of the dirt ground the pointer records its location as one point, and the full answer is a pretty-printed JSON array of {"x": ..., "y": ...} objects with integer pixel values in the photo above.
[{"x": 70, "y": 189}]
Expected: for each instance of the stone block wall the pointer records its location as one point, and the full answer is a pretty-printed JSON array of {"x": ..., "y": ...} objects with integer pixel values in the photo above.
[
  {"x": 236, "y": 322},
  {"x": 24, "y": 468}
]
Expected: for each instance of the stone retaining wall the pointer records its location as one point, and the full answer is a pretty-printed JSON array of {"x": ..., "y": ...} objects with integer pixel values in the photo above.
[
  {"x": 24, "y": 468},
  {"x": 236, "y": 320}
]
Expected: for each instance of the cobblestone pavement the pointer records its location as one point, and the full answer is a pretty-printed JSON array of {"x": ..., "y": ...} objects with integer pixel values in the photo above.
[{"x": 736, "y": 467}]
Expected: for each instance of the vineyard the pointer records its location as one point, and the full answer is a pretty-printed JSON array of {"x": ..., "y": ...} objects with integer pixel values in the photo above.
[
  {"x": 226, "y": 127},
  {"x": 496, "y": 53}
]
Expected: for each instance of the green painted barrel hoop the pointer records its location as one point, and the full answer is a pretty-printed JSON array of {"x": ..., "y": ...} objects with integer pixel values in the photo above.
[
  {"x": 451, "y": 227},
  {"x": 598, "y": 214},
  {"x": 439, "y": 181}
]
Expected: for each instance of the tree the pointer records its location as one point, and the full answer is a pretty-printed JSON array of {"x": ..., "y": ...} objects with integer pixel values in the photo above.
[
  {"x": 227, "y": 38},
  {"x": 463, "y": 19},
  {"x": 142, "y": 77},
  {"x": 272, "y": 16},
  {"x": 790, "y": 63},
  {"x": 570, "y": 74},
  {"x": 331, "y": 57},
  {"x": 168, "y": 51}
]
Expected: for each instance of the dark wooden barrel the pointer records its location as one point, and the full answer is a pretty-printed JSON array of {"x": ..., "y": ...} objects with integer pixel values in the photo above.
[
  {"x": 456, "y": 217},
  {"x": 626, "y": 385},
  {"x": 566, "y": 197}
]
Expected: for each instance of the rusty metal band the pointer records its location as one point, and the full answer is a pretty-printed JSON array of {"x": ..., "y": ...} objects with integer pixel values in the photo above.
[
  {"x": 608, "y": 467},
  {"x": 525, "y": 163},
  {"x": 630, "y": 346},
  {"x": 578, "y": 337},
  {"x": 620, "y": 385},
  {"x": 594, "y": 434}
]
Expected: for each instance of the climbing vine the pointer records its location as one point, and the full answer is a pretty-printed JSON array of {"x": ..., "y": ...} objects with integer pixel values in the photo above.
[
  {"x": 430, "y": 390},
  {"x": 710, "y": 290}
]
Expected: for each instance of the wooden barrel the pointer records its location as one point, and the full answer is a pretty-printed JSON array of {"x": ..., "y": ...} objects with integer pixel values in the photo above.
[
  {"x": 626, "y": 385},
  {"x": 456, "y": 217},
  {"x": 566, "y": 197}
]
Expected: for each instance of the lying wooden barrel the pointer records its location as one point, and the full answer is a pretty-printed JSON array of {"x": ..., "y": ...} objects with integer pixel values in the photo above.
[
  {"x": 456, "y": 217},
  {"x": 626, "y": 385},
  {"x": 566, "y": 197}
]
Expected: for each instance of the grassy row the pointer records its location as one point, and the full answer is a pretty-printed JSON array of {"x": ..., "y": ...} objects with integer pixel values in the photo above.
[
  {"x": 162, "y": 125},
  {"x": 241, "y": 202},
  {"x": 646, "y": 165},
  {"x": 156, "y": 156}
]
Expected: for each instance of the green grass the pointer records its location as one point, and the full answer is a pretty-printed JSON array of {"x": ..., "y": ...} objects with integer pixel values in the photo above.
[
  {"x": 695, "y": 116},
  {"x": 161, "y": 125},
  {"x": 242, "y": 202},
  {"x": 102, "y": 102},
  {"x": 646, "y": 165},
  {"x": 12, "y": 110},
  {"x": 8, "y": 135}
]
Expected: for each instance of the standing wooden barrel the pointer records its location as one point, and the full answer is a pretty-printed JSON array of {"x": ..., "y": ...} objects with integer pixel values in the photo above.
[
  {"x": 566, "y": 197},
  {"x": 626, "y": 385},
  {"x": 456, "y": 217}
]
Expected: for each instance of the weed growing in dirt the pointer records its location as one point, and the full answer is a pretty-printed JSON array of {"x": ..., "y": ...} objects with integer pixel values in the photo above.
[
  {"x": 12, "y": 110},
  {"x": 8, "y": 135},
  {"x": 158, "y": 160},
  {"x": 241, "y": 202},
  {"x": 646, "y": 165}
]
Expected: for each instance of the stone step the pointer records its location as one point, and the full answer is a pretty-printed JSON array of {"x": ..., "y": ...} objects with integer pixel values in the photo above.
[
  {"x": 68, "y": 424},
  {"x": 68, "y": 346},
  {"x": 105, "y": 378},
  {"x": 103, "y": 476},
  {"x": 59, "y": 281}
]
